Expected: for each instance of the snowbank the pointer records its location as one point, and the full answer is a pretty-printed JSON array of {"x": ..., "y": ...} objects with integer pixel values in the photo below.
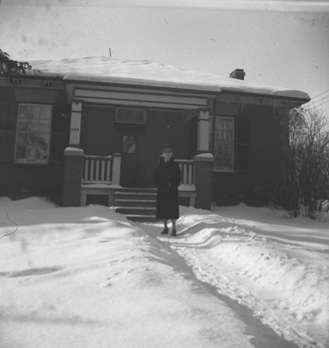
[
  {"x": 86, "y": 277},
  {"x": 277, "y": 266}
]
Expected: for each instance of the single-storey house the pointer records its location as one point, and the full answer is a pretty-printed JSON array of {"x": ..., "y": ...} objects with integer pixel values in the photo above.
[{"x": 78, "y": 129}]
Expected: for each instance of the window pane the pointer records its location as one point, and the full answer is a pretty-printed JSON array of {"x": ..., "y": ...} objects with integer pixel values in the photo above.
[
  {"x": 33, "y": 133},
  {"x": 130, "y": 116},
  {"x": 45, "y": 112},
  {"x": 23, "y": 124},
  {"x": 224, "y": 143},
  {"x": 42, "y": 126},
  {"x": 26, "y": 111}
]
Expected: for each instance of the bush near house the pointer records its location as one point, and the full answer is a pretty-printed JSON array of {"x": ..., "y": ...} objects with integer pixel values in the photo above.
[{"x": 307, "y": 164}]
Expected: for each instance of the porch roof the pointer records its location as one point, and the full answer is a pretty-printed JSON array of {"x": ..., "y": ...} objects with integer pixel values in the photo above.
[{"x": 147, "y": 73}]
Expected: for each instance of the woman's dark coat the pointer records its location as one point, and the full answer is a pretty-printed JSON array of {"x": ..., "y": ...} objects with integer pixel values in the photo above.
[{"x": 167, "y": 179}]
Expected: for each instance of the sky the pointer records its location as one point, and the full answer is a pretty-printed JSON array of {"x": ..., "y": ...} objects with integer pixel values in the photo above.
[{"x": 278, "y": 43}]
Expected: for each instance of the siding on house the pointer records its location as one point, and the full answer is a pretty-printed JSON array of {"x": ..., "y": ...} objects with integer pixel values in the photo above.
[{"x": 260, "y": 146}]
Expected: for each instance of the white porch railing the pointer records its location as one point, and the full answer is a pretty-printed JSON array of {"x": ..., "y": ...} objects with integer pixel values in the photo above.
[
  {"x": 97, "y": 169},
  {"x": 187, "y": 171},
  {"x": 187, "y": 187},
  {"x": 102, "y": 174}
]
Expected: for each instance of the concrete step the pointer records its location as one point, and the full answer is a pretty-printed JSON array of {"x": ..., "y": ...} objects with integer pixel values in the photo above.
[
  {"x": 135, "y": 195},
  {"x": 126, "y": 202},
  {"x": 136, "y": 189},
  {"x": 142, "y": 218},
  {"x": 136, "y": 210},
  {"x": 136, "y": 203}
]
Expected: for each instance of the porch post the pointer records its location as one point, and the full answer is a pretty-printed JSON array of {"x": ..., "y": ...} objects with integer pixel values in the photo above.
[
  {"x": 203, "y": 163},
  {"x": 203, "y": 131},
  {"x": 116, "y": 169},
  {"x": 73, "y": 161},
  {"x": 75, "y": 125}
]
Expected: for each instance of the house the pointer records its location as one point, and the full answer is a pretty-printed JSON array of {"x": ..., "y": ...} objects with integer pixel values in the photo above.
[{"x": 76, "y": 129}]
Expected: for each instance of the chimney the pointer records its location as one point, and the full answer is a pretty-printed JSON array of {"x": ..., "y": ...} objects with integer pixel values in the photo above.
[{"x": 238, "y": 74}]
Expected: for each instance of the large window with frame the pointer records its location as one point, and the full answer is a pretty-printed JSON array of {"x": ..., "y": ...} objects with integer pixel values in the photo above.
[
  {"x": 33, "y": 133},
  {"x": 224, "y": 139}
]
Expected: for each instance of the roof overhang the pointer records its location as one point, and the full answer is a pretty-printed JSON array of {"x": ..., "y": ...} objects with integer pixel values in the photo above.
[{"x": 297, "y": 95}]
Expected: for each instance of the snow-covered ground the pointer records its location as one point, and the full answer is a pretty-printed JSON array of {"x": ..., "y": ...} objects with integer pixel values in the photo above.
[
  {"x": 277, "y": 266},
  {"x": 87, "y": 277}
]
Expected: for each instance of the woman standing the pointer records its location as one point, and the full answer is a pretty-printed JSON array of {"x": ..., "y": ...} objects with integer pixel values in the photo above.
[{"x": 167, "y": 179}]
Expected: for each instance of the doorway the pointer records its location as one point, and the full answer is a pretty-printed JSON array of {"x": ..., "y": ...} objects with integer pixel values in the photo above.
[{"x": 130, "y": 169}]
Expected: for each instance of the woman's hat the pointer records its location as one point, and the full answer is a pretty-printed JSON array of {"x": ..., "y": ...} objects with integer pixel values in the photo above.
[{"x": 168, "y": 149}]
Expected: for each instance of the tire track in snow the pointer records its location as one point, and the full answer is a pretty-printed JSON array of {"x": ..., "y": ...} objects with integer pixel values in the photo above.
[
  {"x": 195, "y": 244},
  {"x": 261, "y": 335}
]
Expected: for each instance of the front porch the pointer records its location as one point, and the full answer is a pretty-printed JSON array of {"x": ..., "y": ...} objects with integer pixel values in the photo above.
[
  {"x": 115, "y": 145},
  {"x": 88, "y": 176},
  {"x": 101, "y": 176}
]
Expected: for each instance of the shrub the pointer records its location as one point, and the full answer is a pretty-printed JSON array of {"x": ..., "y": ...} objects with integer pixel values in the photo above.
[{"x": 307, "y": 167}]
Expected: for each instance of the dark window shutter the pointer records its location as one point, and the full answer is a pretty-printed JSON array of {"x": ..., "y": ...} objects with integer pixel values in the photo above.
[{"x": 242, "y": 142}]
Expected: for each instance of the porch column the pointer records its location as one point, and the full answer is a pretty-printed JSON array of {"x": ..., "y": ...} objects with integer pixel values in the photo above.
[
  {"x": 75, "y": 126},
  {"x": 73, "y": 161},
  {"x": 116, "y": 169},
  {"x": 203, "y": 166},
  {"x": 203, "y": 131}
]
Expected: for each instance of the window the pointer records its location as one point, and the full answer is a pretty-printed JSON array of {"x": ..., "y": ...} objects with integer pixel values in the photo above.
[
  {"x": 129, "y": 144},
  {"x": 33, "y": 133},
  {"x": 224, "y": 143},
  {"x": 130, "y": 116}
]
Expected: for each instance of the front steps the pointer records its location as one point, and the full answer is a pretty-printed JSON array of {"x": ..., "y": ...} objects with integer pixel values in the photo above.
[{"x": 137, "y": 204}]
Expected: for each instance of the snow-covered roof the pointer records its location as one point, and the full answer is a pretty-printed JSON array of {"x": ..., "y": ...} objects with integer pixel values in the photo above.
[{"x": 147, "y": 73}]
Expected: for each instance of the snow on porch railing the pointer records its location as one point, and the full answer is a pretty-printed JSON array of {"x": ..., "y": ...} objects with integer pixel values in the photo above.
[
  {"x": 97, "y": 169},
  {"x": 187, "y": 171}
]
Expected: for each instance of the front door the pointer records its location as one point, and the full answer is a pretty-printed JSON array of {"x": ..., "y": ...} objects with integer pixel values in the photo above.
[{"x": 130, "y": 169}]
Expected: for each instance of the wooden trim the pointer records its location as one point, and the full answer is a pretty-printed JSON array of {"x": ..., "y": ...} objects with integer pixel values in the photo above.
[
  {"x": 75, "y": 123},
  {"x": 141, "y": 104},
  {"x": 76, "y": 106},
  {"x": 147, "y": 84},
  {"x": 139, "y": 98},
  {"x": 203, "y": 131},
  {"x": 131, "y": 121},
  {"x": 258, "y": 99},
  {"x": 71, "y": 86},
  {"x": 147, "y": 108},
  {"x": 26, "y": 81},
  {"x": 226, "y": 171},
  {"x": 109, "y": 87}
]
